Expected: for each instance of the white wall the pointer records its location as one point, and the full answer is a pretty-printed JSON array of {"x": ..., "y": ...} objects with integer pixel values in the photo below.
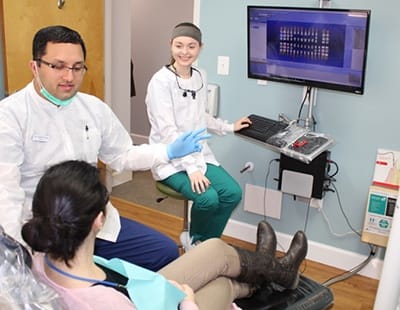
[
  {"x": 117, "y": 58},
  {"x": 117, "y": 55}
]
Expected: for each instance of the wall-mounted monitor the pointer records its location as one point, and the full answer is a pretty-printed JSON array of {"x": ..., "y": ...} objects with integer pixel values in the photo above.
[{"x": 317, "y": 47}]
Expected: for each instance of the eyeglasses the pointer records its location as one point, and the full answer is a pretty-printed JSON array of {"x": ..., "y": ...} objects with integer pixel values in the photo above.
[
  {"x": 191, "y": 91},
  {"x": 60, "y": 67}
]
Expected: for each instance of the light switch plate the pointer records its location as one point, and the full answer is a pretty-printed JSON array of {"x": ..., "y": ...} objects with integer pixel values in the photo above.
[
  {"x": 223, "y": 65},
  {"x": 213, "y": 99}
]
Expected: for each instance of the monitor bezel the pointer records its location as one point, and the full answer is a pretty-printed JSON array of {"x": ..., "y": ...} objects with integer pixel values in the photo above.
[{"x": 306, "y": 82}]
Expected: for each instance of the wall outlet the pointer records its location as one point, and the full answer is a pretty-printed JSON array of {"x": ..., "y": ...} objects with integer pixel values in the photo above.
[
  {"x": 263, "y": 201},
  {"x": 314, "y": 202}
]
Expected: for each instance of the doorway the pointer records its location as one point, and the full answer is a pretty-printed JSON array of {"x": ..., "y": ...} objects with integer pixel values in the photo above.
[
  {"x": 19, "y": 23},
  {"x": 152, "y": 22}
]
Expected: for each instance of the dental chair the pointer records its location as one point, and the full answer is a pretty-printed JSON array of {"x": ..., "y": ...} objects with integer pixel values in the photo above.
[{"x": 19, "y": 288}]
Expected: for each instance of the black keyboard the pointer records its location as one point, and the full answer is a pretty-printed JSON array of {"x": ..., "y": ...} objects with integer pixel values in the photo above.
[{"x": 262, "y": 128}]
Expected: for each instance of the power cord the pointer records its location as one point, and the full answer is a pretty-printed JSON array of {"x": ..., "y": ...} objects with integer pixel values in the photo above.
[
  {"x": 347, "y": 274},
  {"x": 306, "y": 96},
  {"x": 265, "y": 187},
  {"x": 307, "y": 216},
  {"x": 340, "y": 235},
  {"x": 330, "y": 186},
  {"x": 342, "y": 210},
  {"x": 305, "y": 230},
  {"x": 330, "y": 177},
  {"x": 265, "y": 194}
]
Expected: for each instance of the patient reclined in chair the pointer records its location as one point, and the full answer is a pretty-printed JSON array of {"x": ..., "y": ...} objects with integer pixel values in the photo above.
[{"x": 21, "y": 290}]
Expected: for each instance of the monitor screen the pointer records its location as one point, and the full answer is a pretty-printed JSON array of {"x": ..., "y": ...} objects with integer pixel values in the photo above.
[{"x": 317, "y": 47}]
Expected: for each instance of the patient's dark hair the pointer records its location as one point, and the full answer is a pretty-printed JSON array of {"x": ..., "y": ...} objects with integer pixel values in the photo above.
[{"x": 68, "y": 198}]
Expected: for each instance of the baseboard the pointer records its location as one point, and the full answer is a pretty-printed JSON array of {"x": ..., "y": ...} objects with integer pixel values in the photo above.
[
  {"x": 318, "y": 252},
  {"x": 139, "y": 139},
  {"x": 121, "y": 177}
]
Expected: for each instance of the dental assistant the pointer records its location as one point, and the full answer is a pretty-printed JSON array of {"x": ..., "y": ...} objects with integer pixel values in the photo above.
[{"x": 176, "y": 102}]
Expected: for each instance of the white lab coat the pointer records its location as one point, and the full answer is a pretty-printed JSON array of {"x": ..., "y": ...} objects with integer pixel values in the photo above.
[
  {"x": 171, "y": 114},
  {"x": 35, "y": 134}
]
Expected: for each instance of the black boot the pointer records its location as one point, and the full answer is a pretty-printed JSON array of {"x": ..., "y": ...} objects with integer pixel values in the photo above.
[
  {"x": 256, "y": 267},
  {"x": 266, "y": 238},
  {"x": 261, "y": 267},
  {"x": 290, "y": 263}
]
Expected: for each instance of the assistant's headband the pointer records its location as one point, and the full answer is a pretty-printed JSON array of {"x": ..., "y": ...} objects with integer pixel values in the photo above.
[{"x": 186, "y": 30}]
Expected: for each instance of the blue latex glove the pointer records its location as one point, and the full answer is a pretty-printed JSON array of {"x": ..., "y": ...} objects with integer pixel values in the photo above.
[{"x": 187, "y": 143}]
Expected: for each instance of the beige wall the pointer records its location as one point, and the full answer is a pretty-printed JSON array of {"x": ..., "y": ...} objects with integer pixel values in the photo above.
[{"x": 152, "y": 22}]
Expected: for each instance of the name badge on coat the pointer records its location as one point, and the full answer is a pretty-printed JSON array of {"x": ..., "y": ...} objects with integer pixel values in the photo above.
[{"x": 40, "y": 138}]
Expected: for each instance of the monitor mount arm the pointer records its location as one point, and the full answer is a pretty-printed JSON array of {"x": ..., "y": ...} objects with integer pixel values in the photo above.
[
  {"x": 311, "y": 102},
  {"x": 311, "y": 98},
  {"x": 324, "y": 3}
]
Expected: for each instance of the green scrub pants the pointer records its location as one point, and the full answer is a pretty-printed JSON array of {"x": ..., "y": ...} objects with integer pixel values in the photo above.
[{"x": 212, "y": 209}]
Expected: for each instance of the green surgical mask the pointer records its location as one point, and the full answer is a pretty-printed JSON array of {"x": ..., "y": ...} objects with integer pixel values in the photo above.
[
  {"x": 50, "y": 97},
  {"x": 53, "y": 99}
]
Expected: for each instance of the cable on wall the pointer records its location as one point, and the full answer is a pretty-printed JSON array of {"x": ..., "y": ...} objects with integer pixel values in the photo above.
[
  {"x": 265, "y": 186},
  {"x": 347, "y": 274}
]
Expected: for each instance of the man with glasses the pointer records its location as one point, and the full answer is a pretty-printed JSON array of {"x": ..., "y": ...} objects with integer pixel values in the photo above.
[{"x": 50, "y": 121}]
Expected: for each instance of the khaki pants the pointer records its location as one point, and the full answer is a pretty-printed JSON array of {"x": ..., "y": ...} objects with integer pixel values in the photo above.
[{"x": 209, "y": 269}]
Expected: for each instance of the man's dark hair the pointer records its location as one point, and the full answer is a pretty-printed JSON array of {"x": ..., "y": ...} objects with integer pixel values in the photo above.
[{"x": 55, "y": 34}]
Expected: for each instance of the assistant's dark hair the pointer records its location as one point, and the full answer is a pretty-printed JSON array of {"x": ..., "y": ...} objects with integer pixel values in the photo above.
[
  {"x": 55, "y": 34},
  {"x": 68, "y": 198}
]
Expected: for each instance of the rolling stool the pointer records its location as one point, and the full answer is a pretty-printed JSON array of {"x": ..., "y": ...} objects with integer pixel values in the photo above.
[{"x": 169, "y": 192}]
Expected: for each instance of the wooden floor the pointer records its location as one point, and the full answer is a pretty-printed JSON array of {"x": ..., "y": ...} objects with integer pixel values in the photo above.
[{"x": 357, "y": 292}]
